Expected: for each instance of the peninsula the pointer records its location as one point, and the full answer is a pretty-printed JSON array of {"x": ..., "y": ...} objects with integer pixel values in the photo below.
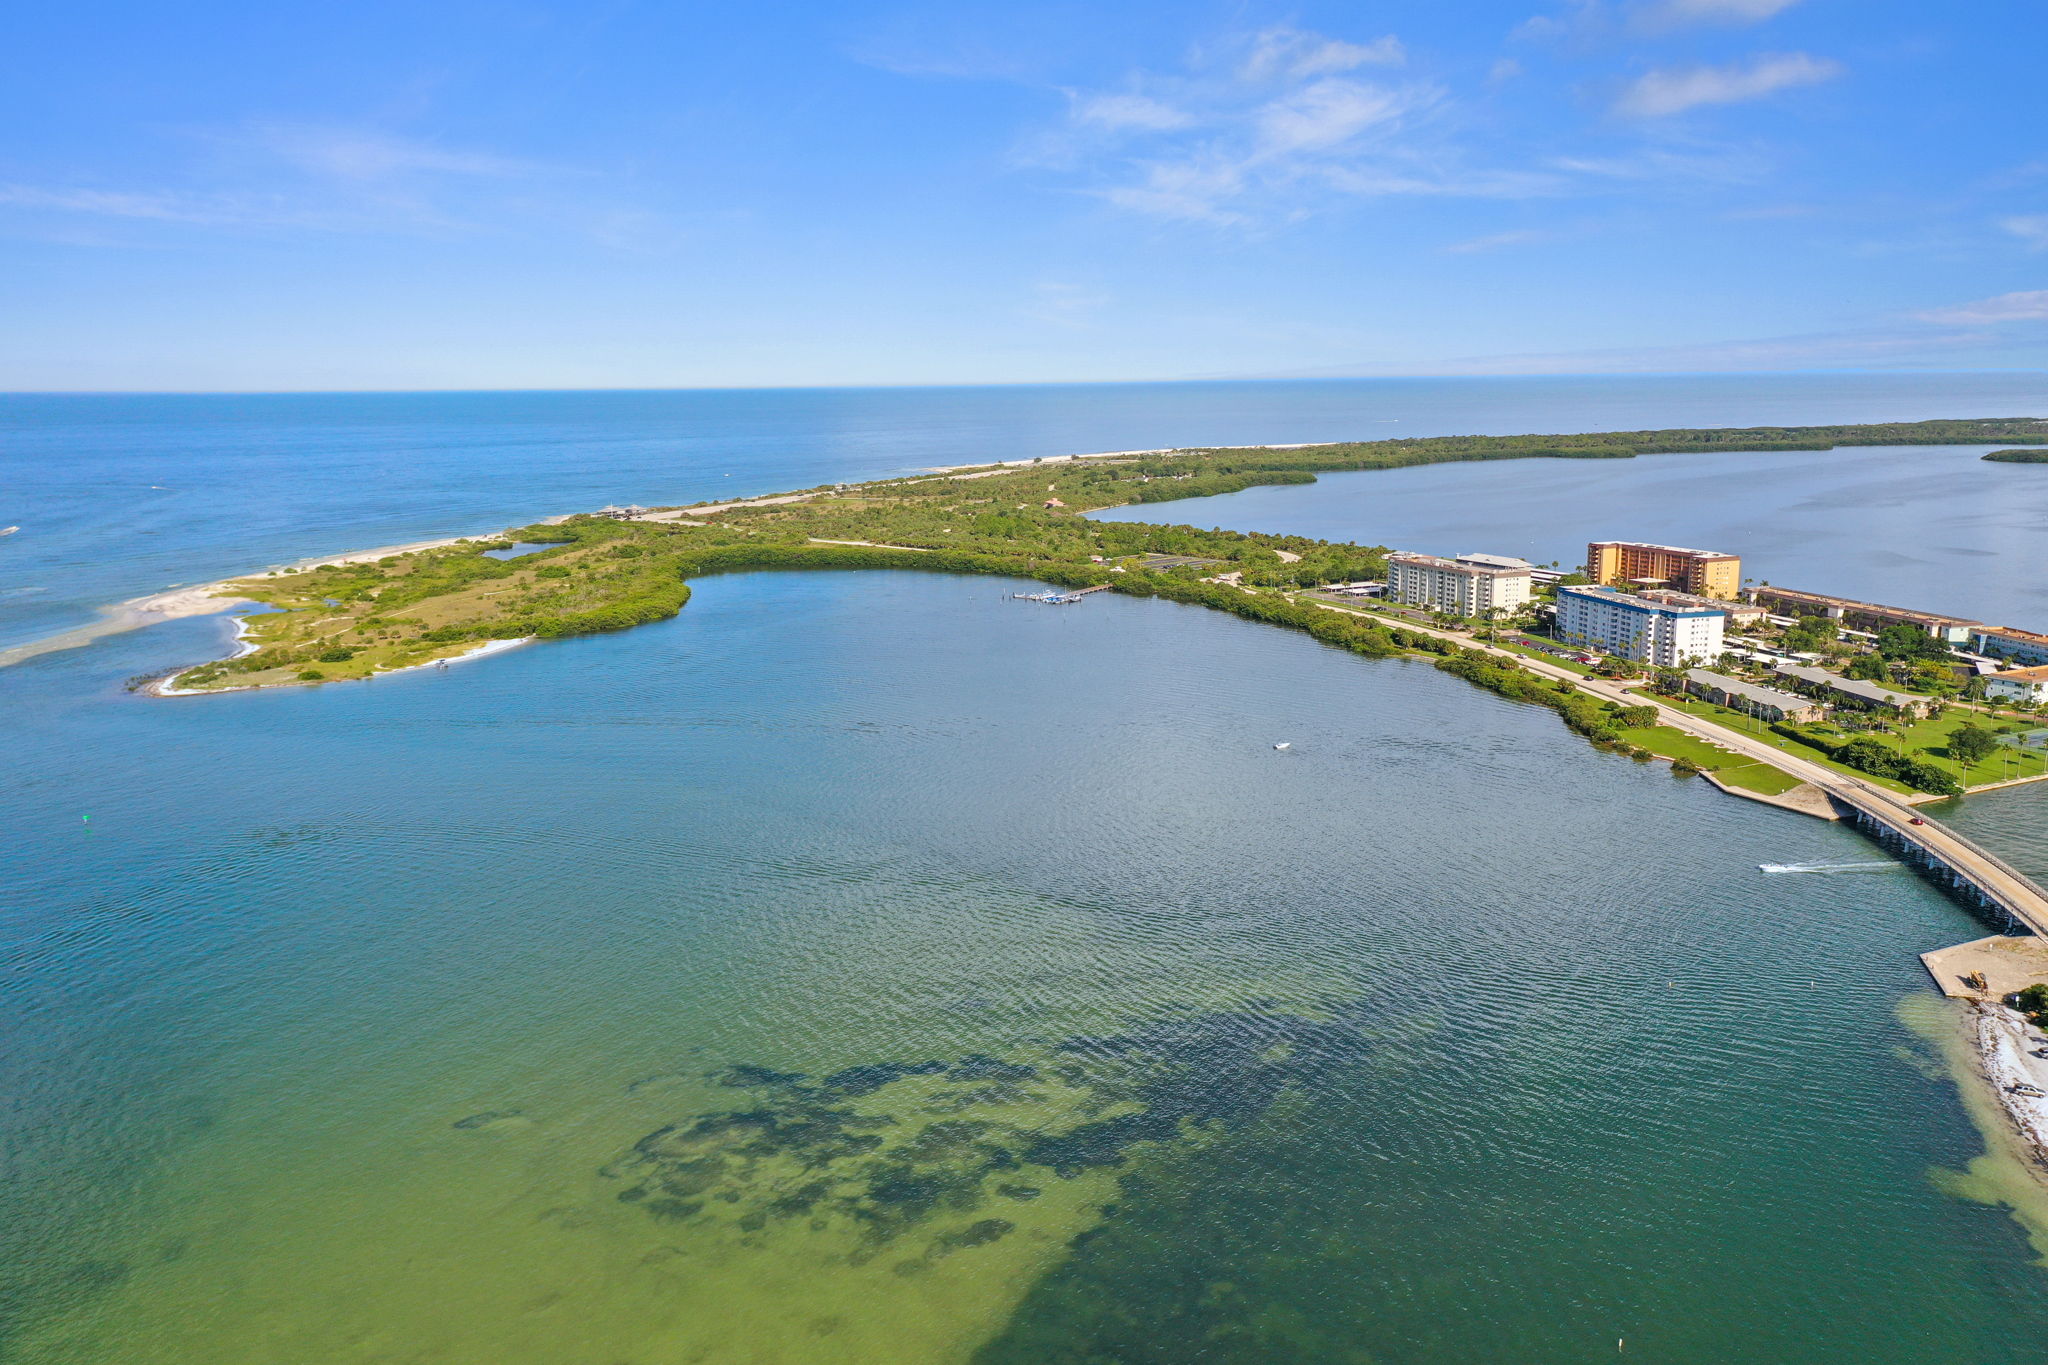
[{"x": 357, "y": 615}]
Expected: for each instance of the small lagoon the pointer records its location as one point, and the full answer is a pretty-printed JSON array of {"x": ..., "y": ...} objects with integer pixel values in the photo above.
[{"x": 520, "y": 548}]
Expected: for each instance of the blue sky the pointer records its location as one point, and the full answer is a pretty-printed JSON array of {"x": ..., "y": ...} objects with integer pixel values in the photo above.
[{"x": 616, "y": 194}]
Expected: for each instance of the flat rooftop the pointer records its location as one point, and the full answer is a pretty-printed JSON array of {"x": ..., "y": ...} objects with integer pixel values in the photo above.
[
  {"x": 1635, "y": 603},
  {"x": 1667, "y": 549},
  {"x": 1756, "y": 692},
  {"x": 1821, "y": 599},
  {"x": 1496, "y": 565},
  {"x": 1854, "y": 687}
]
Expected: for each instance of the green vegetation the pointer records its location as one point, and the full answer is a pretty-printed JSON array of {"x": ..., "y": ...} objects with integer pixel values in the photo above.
[
  {"x": 1813, "y": 634},
  {"x": 2032, "y": 1002},
  {"x": 1767, "y": 734},
  {"x": 1970, "y": 744},
  {"x": 1902, "y": 642},
  {"x": 1869, "y": 754},
  {"x": 2019, "y": 456},
  {"x": 343, "y": 621},
  {"x": 1757, "y": 777},
  {"x": 1690, "y": 754}
]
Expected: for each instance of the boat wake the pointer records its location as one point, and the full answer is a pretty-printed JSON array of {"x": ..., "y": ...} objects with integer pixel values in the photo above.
[{"x": 1827, "y": 869}]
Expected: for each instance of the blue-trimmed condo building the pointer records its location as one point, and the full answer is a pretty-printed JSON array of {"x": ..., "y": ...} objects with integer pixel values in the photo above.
[{"x": 1660, "y": 634}]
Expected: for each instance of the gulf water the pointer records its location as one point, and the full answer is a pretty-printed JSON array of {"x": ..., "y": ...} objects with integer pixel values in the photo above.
[{"x": 867, "y": 967}]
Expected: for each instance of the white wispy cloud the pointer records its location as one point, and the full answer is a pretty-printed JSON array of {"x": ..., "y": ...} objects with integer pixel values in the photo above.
[
  {"x": 2029, "y": 228},
  {"x": 1128, "y": 111},
  {"x": 110, "y": 203},
  {"x": 1183, "y": 189},
  {"x": 1673, "y": 90},
  {"x": 326, "y": 178},
  {"x": 1261, "y": 127},
  {"x": 1958, "y": 334},
  {"x": 1596, "y": 21},
  {"x": 1290, "y": 52},
  {"x": 1064, "y": 303},
  {"x": 1674, "y": 13},
  {"x": 1875, "y": 349},
  {"x": 1328, "y": 114},
  {"x": 2027, "y": 305},
  {"x": 1703, "y": 164}
]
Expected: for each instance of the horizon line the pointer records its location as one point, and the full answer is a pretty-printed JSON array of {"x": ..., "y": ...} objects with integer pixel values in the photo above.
[{"x": 1465, "y": 377}]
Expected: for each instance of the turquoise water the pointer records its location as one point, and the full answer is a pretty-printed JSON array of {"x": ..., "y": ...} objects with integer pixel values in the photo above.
[{"x": 867, "y": 967}]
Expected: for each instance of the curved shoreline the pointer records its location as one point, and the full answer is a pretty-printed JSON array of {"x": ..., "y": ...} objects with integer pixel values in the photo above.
[
  {"x": 200, "y": 599},
  {"x": 166, "y": 687},
  {"x": 2007, "y": 1043},
  {"x": 1999, "y": 1053}
]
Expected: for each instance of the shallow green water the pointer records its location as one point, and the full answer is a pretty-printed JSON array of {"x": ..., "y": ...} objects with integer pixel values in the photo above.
[{"x": 868, "y": 968}]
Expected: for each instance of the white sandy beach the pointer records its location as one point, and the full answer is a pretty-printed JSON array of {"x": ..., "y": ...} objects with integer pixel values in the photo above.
[
  {"x": 2007, "y": 1043},
  {"x": 1108, "y": 455},
  {"x": 203, "y": 599}
]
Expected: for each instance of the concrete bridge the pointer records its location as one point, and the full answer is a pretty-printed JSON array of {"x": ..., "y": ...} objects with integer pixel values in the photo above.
[{"x": 1966, "y": 867}]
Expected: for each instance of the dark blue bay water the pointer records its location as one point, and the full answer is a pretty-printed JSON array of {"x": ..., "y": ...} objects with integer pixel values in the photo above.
[
  {"x": 1931, "y": 527},
  {"x": 870, "y": 968}
]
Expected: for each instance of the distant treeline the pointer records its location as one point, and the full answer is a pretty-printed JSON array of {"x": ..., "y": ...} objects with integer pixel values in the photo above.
[{"x": 1623, "y": 444}]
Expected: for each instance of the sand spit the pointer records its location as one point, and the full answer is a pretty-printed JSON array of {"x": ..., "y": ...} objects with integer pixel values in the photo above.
[
  {"x": 207, "y": 599},
  {"x": 167, "y": 687},
  {"x": 203, "y": 599}
]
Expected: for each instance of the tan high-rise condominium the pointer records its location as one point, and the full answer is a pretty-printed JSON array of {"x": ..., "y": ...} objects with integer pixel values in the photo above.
[{"x": 1634, "y": 564}]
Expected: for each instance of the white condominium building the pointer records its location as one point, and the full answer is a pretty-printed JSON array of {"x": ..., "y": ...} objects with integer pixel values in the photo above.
[
  {"x": 1465, "y": 586},
  {"x": 1659, "y": 634}
]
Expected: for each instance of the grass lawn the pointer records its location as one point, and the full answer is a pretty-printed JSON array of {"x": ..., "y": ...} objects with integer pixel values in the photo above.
[
  {"x": 1721, "y": 715},
  {"x": 1733, "y": 769},
  {"x": 1581, "y": 669},
  {"x": 2005, "y": 764}
]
